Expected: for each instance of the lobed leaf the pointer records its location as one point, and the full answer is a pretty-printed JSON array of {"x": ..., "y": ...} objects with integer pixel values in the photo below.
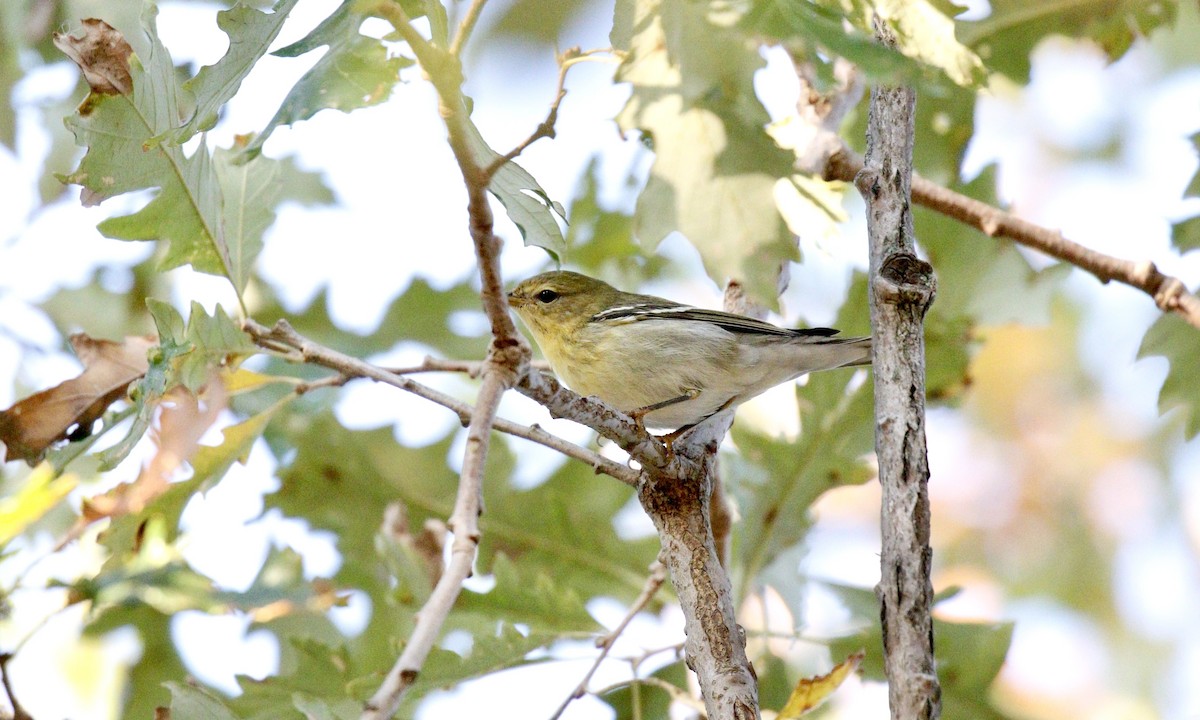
[
  {"x": 134, "y": 100},
  {"x": 526, "y": 203},
  {"x": 1005, "y": 39},
  {"x": 250, "y": 33},
  {"x": 68, "y": 410},
  {"x": 355, "y": 72},
  {"x": 1173, "y": 338},
  {"x": 715, "y": 168}
]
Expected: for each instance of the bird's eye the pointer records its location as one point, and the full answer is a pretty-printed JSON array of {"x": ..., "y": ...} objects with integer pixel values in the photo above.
[{"x": 547, "y": 296}]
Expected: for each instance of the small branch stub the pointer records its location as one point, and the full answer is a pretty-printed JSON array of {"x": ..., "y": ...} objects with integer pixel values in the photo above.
[{"x": 905, "y": 279}]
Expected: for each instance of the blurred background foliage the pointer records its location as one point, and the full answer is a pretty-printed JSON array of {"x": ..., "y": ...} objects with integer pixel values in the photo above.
[{"x": 277, "y": 574}]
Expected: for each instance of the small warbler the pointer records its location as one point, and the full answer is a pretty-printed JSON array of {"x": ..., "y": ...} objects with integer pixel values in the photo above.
[{"x": 661, "y": 362}]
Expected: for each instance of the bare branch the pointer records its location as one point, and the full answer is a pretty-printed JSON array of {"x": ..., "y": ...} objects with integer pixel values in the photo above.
[
  {"x": 466, "y": 27},
  {"x": 900, "y": 292},
  {"x": 472, "y": 368},
  {"x": 1169, "y": 293},
  {"x": 348, "y": 367},
  {"x": 19, "y": 712},
  {"x": 464, "y": 523},
  {"x": 658, "y": 575},
  {"x": 545, "y": 129}
]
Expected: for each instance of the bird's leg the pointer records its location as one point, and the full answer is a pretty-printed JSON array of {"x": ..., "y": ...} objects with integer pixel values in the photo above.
[
  {"x": 640, "y": 413},
  {"x": 670, "y": 438}
]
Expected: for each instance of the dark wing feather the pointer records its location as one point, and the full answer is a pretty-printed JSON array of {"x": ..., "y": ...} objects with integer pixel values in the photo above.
[{"x": 665, "y": 310}]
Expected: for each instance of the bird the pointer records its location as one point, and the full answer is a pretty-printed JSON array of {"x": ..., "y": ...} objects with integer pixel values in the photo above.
[{"x": 666, "y": 364}]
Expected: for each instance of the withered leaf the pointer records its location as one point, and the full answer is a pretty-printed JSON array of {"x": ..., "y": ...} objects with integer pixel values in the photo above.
[
  {"x": 811, "y": 692},
  {"x": 32, "y": 425},
  {"x": 102, "y": 53},
  {"x": 184, "y": 420}
]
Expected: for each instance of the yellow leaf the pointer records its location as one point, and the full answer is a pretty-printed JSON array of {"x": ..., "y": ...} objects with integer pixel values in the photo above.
[
  {"x": 240, "y": 380},
  {"x": 42, "y": 491},
  {"x": 811, "y": 692}
]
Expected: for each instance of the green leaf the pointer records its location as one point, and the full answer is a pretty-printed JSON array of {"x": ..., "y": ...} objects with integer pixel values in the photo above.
[
  {"x": 984, "y": 278},
  {"x": 214, "y": 343},
  {"x": 148, "y": 392},
  {"x": 250, "y": 33},
  {"x": 639, "y": 699},
  {"x": 1174, "y": 339},
  {"x": 813, "y": 32},
  {"x": 365, "y": 470},
  {"x": 1193, "y": 188},
  {"x": 420, "y": 314},
  {"x": 968, "y": 654},
  {"x": 209, "y": 465},
  {"x": 1185, "y": 235},
  {"x": 158, "y": 663},
  {"x": 12, "y": 15},
  {"x": 571, "y": 537},
  {"x": 211, "y": 462},
  {"x": 600, "y": 240},
  {"x": 118, "y": 131},
  {"x": 715, "y": 168},
  {"x": 499, "y": 649},
  {"x": 776, "y": 482},
  {"x": 925, "y": 33},
  {"x": 314, "y": 708},
  {"x": 189, "y": 702},
  {"x": 527, "y": 204},
  {"x": 524, "y": 594},
  {"x": 354, "y": 72},
  {"x": 252, "y": 191},
  {"x": 320, "y": 674},
  {"x": 1007, "y": 36}
]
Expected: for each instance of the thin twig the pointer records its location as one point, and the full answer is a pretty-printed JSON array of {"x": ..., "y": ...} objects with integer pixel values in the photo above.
[
  {"x": 471, "y": 368},
  {"x": 348, "y": 367},
  {"x": 464, "y": 523},
  {"x": 1169, "y": 293},
  {"x": 545, "y": 129},
  {"x": 463, "y": 33},
  {"x": 18, "y": 711},
  {"x": 654, "y": 581}
]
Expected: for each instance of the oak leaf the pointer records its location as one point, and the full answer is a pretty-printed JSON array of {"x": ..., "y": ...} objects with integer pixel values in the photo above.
[
  {"x": 69, "y": 409},
  {"x": 102, "y": 53}
]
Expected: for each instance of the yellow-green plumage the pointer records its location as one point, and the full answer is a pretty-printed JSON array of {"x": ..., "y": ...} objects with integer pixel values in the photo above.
[{"x": 634, "y": 351}]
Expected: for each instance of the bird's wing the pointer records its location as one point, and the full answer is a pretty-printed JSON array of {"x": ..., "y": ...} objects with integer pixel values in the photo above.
[{"x": 665, "y": 310}]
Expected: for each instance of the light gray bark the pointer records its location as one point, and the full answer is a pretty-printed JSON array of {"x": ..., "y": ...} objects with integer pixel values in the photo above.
[{"x": 901, "y": 290}]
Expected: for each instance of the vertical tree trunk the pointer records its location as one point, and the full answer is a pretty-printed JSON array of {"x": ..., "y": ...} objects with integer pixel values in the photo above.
[{"x": 901, "y": 289}]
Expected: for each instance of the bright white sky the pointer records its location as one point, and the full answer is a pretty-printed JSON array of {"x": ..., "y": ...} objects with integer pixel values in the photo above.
[{"x": 392, "y": 223}]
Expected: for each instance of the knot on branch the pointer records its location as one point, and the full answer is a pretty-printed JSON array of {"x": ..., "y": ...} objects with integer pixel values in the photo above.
[
  {"x": 905, "y": 279},
  {"x": 1165, "y": 289},
  {"x": 509, "y": 357}
]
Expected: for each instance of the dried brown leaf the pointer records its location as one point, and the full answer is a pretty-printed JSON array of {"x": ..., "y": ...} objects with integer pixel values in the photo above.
[
  {"x": 183, "y": 421},
  {"x": 102, "y": 53},
  {"x": 33, "y": 424}
]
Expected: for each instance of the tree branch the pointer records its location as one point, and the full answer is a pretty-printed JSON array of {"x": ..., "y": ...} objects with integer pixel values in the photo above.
[
  {"x": 901, "y": 290},
  {"x": 347, "y": 367},
  {"x": 1169, "y": 293},
  {"x": 545, "y": 129},
  {"x": 654, "y": 581},
  {"x": 463, "y": 33},
  {"x": 19, "y": 712}
]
